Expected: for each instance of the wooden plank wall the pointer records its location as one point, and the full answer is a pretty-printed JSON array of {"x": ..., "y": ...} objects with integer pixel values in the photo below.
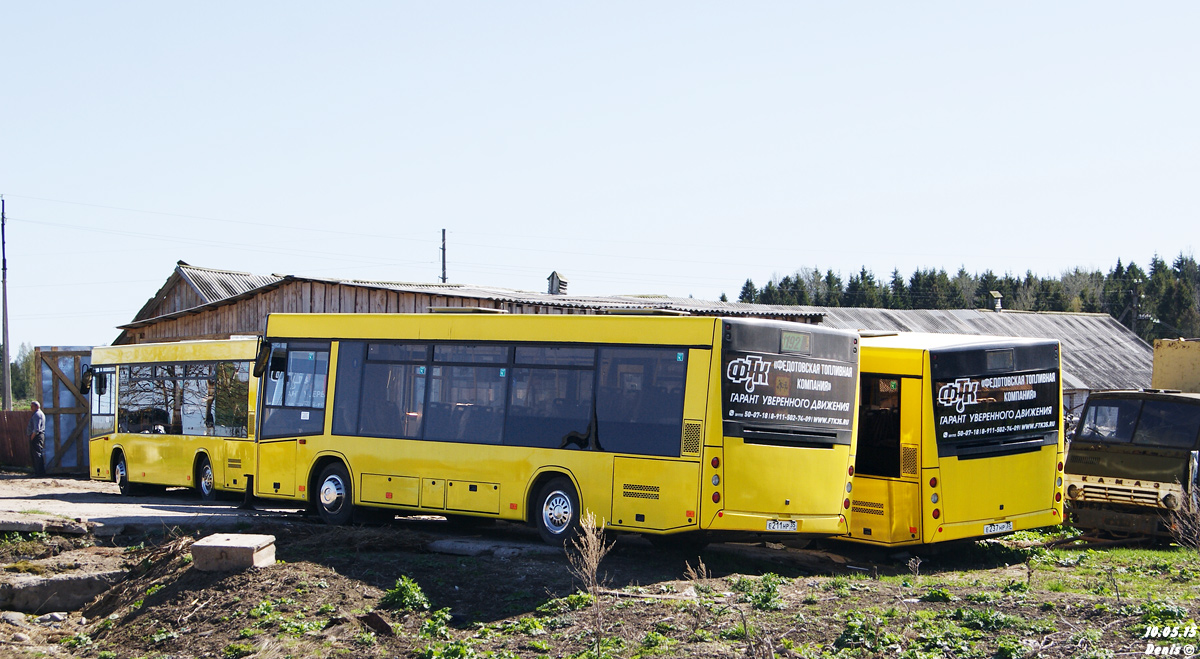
[
  {"x": 248, "y": 316},
  {"x": 14, "y": 443}
]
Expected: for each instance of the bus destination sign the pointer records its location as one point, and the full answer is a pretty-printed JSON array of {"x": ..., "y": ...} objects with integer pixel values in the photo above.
[{"x": 992, "y": 406}]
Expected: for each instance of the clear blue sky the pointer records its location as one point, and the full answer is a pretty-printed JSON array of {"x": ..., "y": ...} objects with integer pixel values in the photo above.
[{"x": 671, "y": 147}]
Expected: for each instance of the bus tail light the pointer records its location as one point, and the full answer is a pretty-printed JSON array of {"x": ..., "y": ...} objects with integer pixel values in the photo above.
[
  {"x": 851, "y": 470},
  {"x": 1060, "y": 466},
  {"x": 1057, "y": 497},
  {"x": 937, "y": 513},
  {"x": 933, "y": 482},
  {"x": 716, "y": 497},
  {"x": 716, "y": 462},
  {"x": 846, "y": 504}
]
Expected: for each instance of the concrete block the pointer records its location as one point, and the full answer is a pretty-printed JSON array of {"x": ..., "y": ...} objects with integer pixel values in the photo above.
[{"x": 225, "y": 552}]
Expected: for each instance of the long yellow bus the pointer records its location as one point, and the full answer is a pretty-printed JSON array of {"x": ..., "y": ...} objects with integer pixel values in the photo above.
[
  {"x": 959, "y": 437},
  {"x": 173, "y": 414},
  {"x": 658, "y": 425}
]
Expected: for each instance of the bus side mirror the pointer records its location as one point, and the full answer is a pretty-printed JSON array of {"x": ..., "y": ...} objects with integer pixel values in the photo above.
[
  {"x": 260, "y": 360},
  {"x": 85, "y": 381}
]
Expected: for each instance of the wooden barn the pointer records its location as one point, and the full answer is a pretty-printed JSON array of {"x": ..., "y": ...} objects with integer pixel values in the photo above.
[{"x": 203, "y": 303}]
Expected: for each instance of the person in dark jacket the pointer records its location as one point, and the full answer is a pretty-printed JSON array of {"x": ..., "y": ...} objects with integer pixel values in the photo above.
[{"x": 37, "y": 438}]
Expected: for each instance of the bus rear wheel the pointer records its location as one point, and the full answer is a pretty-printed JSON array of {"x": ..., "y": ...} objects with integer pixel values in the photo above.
[
  {"x": 335, "y": 495},
  {"x": 558, "y": 512},
  {"x": 206, "y": 482}
]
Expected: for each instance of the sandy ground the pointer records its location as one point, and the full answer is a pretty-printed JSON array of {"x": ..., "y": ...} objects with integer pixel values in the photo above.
[{"x": 22, "y": 496}]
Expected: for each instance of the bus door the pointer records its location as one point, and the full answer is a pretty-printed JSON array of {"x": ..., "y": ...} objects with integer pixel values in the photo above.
[
  {"x": 650, "y": 402},
  {"x": 232, "y": 416},
  {"x": 886, "y": 501},
  {"x": 293, "y": 408}
]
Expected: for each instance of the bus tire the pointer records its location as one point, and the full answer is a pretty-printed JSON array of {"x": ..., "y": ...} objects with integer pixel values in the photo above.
[
  {"x": 120, "y": 472},
  {"x": 206, "y": 482},
  {"x": 335, "y": 495},
  {"x": 557, "y": 512}
]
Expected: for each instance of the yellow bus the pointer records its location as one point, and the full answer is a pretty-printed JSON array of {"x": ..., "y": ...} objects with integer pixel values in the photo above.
[
  {"x": 959, "y": 437},
  {"x": 173, "y": 414},
  {"x": 658, "y": 425}
]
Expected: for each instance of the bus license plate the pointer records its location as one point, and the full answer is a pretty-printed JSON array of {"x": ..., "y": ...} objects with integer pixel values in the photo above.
[
  {"x": 782, "y": 525},
  {"x": 989, "y": 529}
]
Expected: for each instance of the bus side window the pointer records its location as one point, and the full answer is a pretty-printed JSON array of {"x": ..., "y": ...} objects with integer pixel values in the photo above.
[
  {"x": 879, "y": 427},
  {"x": 639, "y": 402}
]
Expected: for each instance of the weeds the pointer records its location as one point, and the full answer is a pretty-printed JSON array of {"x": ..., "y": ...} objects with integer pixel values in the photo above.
[
  {"x": 589, "y": 548},
  {"x": 406, "y": 595}
]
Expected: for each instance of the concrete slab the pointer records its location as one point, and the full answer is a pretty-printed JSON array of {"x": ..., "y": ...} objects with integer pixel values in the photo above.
[
  {"x": 227, "y": 552},
  {"x": 61, "y": 592}
]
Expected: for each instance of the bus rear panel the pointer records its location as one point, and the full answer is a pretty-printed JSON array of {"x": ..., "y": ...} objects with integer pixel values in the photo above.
[{"x": 960, "y": 437}]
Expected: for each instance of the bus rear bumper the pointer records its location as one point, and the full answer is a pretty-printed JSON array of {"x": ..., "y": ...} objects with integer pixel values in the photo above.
[
  {"x": 978, "y": 529},
  {"x": 809, "y": 525}
]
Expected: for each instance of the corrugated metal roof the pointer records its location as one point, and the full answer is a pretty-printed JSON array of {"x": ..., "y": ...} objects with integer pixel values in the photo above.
[
  {"x": 1098, "y": 353},
  {"x": 214, "y": 285}
]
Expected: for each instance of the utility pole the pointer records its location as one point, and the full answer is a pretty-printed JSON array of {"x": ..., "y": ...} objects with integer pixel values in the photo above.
[
  {"x": 4, "y": 279},
  {"x": 443, "y": 256}
]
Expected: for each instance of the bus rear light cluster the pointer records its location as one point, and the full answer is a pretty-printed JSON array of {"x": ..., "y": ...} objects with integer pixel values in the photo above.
[
  {"x": 1060, "y": 465},
  {"x": 851, "y": 470},
  {"x": 933, "y": 482},
  {"x": 716, "y": 497},
  {"x": 716, "y": 462},
  {"x": 846, "y": 504},
  {"x": 1057, "y": 497},
  {"x": 937, "y": 514}
]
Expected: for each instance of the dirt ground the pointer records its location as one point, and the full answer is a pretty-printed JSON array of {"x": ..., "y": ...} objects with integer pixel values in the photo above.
[{"x": 328, "y": 595}]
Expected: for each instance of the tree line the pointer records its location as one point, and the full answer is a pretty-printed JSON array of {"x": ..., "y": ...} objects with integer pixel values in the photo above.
[{"x": 1162, "y": 301}]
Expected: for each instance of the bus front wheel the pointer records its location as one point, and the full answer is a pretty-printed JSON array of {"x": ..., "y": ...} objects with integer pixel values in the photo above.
[
  {"x": 558, "y": 512},
  {"x": 334, "y": 495},
  {"x": 121, "y": 475},
  {"x": 206, "y": 483}
]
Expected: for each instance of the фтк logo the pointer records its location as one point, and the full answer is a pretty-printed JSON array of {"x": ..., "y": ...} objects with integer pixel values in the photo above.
[
  {"x": 959, "y": 394},
  {"x": 750, "y": 369}
]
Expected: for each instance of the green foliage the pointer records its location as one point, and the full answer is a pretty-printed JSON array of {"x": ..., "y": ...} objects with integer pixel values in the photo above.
[
  {"x": 77, "y": 641},
  {"x": 262, "y": 610},
  {"x": 154, "y": 589},
  {"x": 561, "y": 605},
  {"x": 1156, "y": 613},
  {"x": 737, "y": 632},
  {"x": 405, "y": 596},
  {"x": 366, "y": 638},
  {"x": 435, "y": 626},
  {"x": 1009, "y": 648},
  {"x": 763, "y": 594},
  {"x": 106, "y": 654},
  {"x": 237, "y": 650},
  {"x": 163, "y": 635},
  {"x": 983, "y": 619},
  {"x": 867, "y": 632},
  {"x": 936, "y": 595}
]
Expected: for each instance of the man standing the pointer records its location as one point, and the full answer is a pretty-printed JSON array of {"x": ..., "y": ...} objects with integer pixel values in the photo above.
[{"x": 37, "y": 438}]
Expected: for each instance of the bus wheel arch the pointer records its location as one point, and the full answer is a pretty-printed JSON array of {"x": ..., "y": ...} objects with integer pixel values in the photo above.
[
  {"x": 331, "y": 491},
  {"x": 556, "y": 509},
  {"x": 204, "y": 477}
]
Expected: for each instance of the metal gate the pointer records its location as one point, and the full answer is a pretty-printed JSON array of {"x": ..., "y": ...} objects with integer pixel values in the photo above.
[{"x": 68, "y": 414}]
